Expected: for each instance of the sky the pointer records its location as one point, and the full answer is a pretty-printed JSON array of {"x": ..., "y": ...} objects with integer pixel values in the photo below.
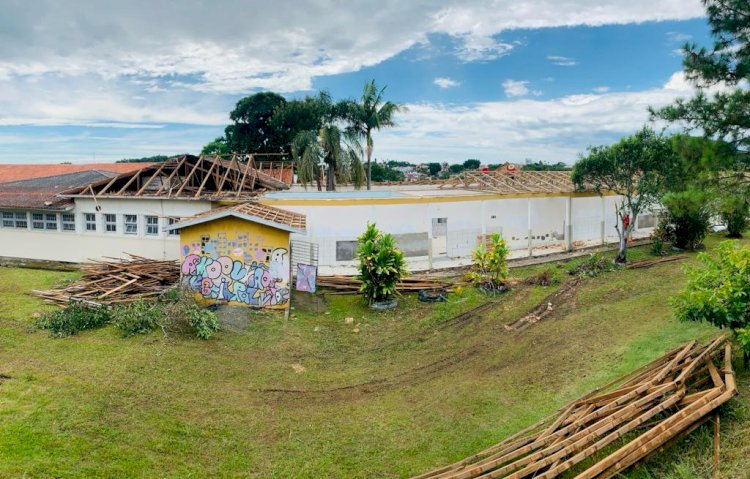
[{"x": 504, "y": 80}]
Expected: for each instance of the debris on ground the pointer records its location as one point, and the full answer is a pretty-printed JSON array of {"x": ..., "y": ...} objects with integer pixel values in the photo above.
[
  {"x": 350, "y": 284},
  {"x": 115, "y": 281},
  {"x": 647, "y": 263},
  {"x": 435, "y": 295},
  {"x": 298, "y": 368},
  {"x": 633, "y": 416},
  {"x": 546, "y": 307}
]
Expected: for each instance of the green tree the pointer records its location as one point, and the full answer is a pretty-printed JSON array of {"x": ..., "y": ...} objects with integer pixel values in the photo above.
[
  {"x": 370, "y": 113},
  {"x": 251, "y": 131},
  {"x": 687, "y": 218},
  {"x": 327, "y": 145},
  {"x": 472, "y": 164},
  {"x": 381, "y": 264},
  {"x": 542, "y": 166},
  {"x": 718, "y": 292},
  {"x": 433, "y": 168},
  {"x": 489, "y": 264},
  {"x": 456, "y": 169},
  {"x": 733, "y": 209},
  {"x": 634, "y": 168},
  {"x": 385, "y": 172},
  {"x": 218, "y": 146},
  {"x": 722, "y": 115},
  {"x": 146, "y": 159}
]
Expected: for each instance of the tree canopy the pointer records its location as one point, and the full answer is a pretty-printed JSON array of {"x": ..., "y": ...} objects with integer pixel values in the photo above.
[
  {"x": 251, "y": 130},
  {"x": 635, "y": 168},
  {"x": 723, "y": 115}
]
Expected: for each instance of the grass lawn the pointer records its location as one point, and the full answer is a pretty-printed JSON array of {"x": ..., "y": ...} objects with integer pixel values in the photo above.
[{"x": 390, "y": 395}]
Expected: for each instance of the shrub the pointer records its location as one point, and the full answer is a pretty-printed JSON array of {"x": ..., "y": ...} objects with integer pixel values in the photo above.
[
  {"x": 78, "y": 316},
  {"x": 594, "y": 265},
  {"x": 182, "y": 313},
  {"x": 718, "y": 292},
  {"x": 381, "y": 264},
  {"x": 733, "y": 210},
  {"x": 686, "y": 219},
  {"x": 139, "y": 317},
  {"x": 657, "y": 248},
  {"x": 489, "y": 263}
]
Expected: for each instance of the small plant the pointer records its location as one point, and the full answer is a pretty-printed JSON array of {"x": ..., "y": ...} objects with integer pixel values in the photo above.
[
  {"x": 138, "y": 317},
  {"x": 184, "y": 314},
  {"x": 594, "y": 265},
  {"x": 202, "y": 321},
  {"x": 547, "y": 277},
  {"x": 733, "y": 210},
  {"x": 657, "y": 248},
  {"x": 78, "y": 316},
  {"x": 489, "y": 264},
  {"x": 381, "y": 265},
  {"x": 686, "y": 219}
]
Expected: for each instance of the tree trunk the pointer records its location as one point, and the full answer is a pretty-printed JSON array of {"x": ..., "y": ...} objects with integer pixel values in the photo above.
[
  {"x": 368, "y": 148},
  {"x": 319, "y": 179},
  {"x": 330, "y": 179}
]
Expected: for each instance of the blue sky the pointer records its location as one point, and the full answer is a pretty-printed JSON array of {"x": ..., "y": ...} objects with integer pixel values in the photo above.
[{"x": 499, "y": 81}]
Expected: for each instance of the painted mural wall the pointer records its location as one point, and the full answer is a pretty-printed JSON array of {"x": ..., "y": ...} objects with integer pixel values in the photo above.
[{"x": 237, "y": 261}]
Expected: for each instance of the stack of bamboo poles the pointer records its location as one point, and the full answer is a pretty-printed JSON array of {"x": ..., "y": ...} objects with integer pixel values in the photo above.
[
  {"x": 614, "y": 427},
  {"x": 349, "y": 284},
  {"x": 116, "y": 281}
]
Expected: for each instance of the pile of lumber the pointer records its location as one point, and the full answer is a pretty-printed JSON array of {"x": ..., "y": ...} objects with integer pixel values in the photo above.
[
  {"x": 350, "y": 284},
  {"x": 114, "y": 281},
  {"x": 613, "y": 427}
]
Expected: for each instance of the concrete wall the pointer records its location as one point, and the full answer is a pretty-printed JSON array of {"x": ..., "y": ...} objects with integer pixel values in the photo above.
[{"x": 81, "y": 245}]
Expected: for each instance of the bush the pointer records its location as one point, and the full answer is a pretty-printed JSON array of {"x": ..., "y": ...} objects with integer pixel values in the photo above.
[
  {"x": 489, "y": 264},
  {"x": 381, "y": 264},
  {"x": 657, "y": 248},
  {"x": 718, "y": 292},
  {"x": 687, "y": 218},
  {"x": 78, "y": 316},
  {"x": 183, "y": 313},
  {"x": 139, "y": 317},
  {"x": 594, "y": 265},
  {"x": 733, "y": 211}
]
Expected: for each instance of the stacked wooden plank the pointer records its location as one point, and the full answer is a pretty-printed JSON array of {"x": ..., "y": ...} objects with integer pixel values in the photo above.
[
  {"x": 614, "y": 427},
  {"x": 350, "y": 284},
  {"x": 115, "y": 281}
]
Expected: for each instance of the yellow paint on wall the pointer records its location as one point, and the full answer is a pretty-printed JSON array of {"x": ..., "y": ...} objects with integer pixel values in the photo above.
[
  {"x": 401, "y": 200},
  {"x": 237, "y": 261}
]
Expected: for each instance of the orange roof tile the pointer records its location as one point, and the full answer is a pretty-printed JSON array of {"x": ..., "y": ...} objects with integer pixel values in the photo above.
[{"x": 14, "y": 172}]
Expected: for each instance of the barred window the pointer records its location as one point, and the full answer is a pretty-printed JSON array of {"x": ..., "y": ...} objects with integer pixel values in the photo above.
[
  {"x": 50, "y": 221},
  {"x": 8, "y": 219},
  {"x": 131, "y": 224},
  {"x": 68, "y": 221},
  {"x": 90, "y": 221},
  {"x": 22, "y": 220},
  {"x": 37, "y": 221},
  {"x": 110, "y": 223},
  {"x": 152, "y": 225}
]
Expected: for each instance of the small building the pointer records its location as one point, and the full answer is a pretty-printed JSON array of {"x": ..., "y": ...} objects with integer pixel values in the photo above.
[{"x": 239, "y": 254}]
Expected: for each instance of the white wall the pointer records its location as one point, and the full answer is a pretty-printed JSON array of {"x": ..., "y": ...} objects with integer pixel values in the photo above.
[{"x": 81, "y": 245}]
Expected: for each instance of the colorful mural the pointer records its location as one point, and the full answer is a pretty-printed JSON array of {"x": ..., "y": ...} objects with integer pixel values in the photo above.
[
  {"x": 237, "y": 268},
  {"x": 307, "y": 275}
]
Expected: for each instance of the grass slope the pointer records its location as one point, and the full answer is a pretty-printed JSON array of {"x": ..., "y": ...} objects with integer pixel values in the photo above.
[{"x": 390, "y": 395}]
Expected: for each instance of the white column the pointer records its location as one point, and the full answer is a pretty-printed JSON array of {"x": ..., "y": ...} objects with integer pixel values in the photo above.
[
  {"x": 568, "y": 224},
  {"x": 528, "y": 214},
  {"x": 603, "y": 221}
]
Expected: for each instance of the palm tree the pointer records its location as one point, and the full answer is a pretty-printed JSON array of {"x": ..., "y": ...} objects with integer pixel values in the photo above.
[
  {"x": 330, "y": 146},
  {"x": 368, "y": 114}
]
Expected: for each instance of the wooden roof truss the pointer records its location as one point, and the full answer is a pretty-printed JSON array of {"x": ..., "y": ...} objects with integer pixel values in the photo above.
[
  {"x": 502, "y": 182},
  {"x": 204, "y": 177}
]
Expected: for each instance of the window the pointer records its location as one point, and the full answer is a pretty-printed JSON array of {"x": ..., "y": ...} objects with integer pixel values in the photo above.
[
  {"x": 152, "y": 225},
  {"x": 50, "y": 221},
  {"x": 14, "y": 220},
  {"x": 171, "y": 222},
  {"x": 37, "y": 221},
  {"x": 131, "y": 224},
  {"x": 90, "y": 220},
  {"x": 110, "y": 223},
  {"x": 647, "y": 221},
  {"x": 68, "y": 221},
  {"x": 205, "y": 239}
]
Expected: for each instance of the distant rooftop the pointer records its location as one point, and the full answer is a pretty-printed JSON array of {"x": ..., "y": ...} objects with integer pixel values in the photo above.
[
  {"x": 15, "y": 172},
  {"x": 42, "y": 193}
]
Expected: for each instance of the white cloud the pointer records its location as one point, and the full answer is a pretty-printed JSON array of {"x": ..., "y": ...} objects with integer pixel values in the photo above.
[
  {"x": 550, "y": 130},
  {"x": 601, "y": 89},
  {"x": 678, "y": 37},
  {"x": 518, "y": 88},
  {"x": 445, "y": 82},
  {"x": 562, "y": 61}
]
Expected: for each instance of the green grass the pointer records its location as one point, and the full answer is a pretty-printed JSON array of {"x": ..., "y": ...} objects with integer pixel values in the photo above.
[{"x": 407, "y": 391}]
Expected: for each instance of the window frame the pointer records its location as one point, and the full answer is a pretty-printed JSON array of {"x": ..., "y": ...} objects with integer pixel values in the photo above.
[
  {"x": 110, "y": 226},
  {"x": 147, "y": 229},
  {"x": 172, "y": 220},
  {"x": 65, "y": 224},
  {"x": 132, "y": 224},
  {"x": 87, "y": 222}
]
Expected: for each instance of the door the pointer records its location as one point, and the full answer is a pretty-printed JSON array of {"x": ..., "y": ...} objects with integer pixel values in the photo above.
[{"x": 439, "y": 236}]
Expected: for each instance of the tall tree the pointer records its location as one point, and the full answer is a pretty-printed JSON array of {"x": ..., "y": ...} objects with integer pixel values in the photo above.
[
  {"x": 371, "y": 113},
  {"x": 325, "y": 143},
  {"x": 724, "y": 115},
  {"x": 635, "y": 168},
  {"x": 252, "y": 131}
]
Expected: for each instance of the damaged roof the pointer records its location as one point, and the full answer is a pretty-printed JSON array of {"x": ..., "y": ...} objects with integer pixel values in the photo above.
[
  {"x": 255, "y": 212},
  {"x": 42, "y": 193},
  {"x": 16, "y": 172}
]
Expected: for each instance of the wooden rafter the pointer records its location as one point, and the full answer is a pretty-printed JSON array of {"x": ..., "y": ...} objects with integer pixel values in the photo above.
[
  {"x": 208, "y": 175},
  {"x": 151, "y": 178},
  {"x": 187, "y": 178},
  {"x": 171, "y": 175}
]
